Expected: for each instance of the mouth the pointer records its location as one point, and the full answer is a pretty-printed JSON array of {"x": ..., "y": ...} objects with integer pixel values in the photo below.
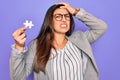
[{"x": 63, "y": 25}]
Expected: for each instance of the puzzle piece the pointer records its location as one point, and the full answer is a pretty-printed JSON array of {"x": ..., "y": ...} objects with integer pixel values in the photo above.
[{"x": 28, "y": 24}]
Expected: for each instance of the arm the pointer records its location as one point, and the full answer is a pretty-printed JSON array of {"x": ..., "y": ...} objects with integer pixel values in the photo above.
[
  {"x": 21, "y": 62},
  {"x": 97, "y": 26}
]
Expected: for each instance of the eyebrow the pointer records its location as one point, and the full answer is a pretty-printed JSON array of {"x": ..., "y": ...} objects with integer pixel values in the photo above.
[{"x": 61, "y": 14}]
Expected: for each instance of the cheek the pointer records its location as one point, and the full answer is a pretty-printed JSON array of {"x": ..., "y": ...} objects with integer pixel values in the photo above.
[
  {"x": 68, "y": 24},
  {"x": 55, "y": 24}
]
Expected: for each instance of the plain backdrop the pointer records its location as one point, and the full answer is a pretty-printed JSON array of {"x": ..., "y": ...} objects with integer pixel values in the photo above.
[{"x": 106, "y": 50}]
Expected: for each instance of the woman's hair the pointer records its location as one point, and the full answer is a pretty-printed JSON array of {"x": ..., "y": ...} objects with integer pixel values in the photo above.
[{"x": 45, "y": 39}]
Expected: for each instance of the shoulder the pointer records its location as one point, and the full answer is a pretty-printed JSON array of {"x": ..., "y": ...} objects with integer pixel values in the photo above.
[
  {"x": 33, "y": 44},
  {"x": 76, "y": 35},
  {"x": 79, "y": 39}
]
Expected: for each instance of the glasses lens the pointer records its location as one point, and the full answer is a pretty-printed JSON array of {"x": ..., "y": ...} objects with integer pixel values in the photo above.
[
  {"x": 59, "y": 17},
  {"x": 67, "y": 17}
]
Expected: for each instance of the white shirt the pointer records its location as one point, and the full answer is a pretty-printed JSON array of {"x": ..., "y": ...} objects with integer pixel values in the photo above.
[{"x": 68, "y": 63}]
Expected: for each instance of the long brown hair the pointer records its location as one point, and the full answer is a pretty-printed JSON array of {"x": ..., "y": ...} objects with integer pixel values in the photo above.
[{"x": 45, "y": 39}]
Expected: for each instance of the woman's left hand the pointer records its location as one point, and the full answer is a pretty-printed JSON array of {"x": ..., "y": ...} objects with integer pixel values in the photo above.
[{"x": 68, "y": 7}]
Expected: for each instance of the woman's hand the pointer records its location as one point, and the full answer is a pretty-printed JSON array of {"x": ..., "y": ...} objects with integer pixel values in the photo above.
[
  {"x": 72, "y": 10},
  {"x": 20, "y": 38}
]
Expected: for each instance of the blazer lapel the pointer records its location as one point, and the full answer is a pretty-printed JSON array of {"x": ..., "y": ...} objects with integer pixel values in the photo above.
[{"x": 82, "y": 43}]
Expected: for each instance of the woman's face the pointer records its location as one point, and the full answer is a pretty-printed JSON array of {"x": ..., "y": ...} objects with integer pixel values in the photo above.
[{"x": 61, "y": 21}]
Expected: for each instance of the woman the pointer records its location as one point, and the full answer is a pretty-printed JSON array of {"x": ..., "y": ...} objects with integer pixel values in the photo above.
[{"x": 57, "y": 53}]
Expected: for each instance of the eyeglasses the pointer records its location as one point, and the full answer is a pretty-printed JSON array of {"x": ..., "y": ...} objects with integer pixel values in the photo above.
[{"x": 59, "y": 17}]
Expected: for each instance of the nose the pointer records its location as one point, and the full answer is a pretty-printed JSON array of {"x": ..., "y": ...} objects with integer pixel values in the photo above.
[{"x": 63, "y": 18}]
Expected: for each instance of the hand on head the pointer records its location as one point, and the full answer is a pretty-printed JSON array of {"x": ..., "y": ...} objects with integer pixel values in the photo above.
[{"x": 71, "y": 9}]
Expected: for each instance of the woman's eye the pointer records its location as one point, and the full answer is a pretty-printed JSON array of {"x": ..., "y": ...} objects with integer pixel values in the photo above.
[
  {"x": 67, "y": 16},
  {"x": 58, "y": 16}
]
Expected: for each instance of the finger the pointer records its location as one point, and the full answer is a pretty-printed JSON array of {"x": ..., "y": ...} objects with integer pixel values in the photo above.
[
  {"x": 23, "y": 28},
  {"x": 19, "y": 31},
  {"x": 77, "y": 9},
  {"x": 22, "y": 36},
  {"x": 22, "y": 42},
  {"x": 67, "y": 6},
  {"x": 63, "y": 7},
  {"x": 24, "y": 39},
  {"x": 21, "y": 39}
]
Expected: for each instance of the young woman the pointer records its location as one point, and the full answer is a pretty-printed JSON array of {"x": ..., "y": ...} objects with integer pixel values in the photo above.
[{"x": 57, "y": 53}]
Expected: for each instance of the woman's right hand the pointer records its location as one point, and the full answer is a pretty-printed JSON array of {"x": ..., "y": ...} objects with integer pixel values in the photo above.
[{"x": 20, "y": 38}]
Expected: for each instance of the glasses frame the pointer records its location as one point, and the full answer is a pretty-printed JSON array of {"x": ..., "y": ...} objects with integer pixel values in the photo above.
[{"x": 59, "y": 17}]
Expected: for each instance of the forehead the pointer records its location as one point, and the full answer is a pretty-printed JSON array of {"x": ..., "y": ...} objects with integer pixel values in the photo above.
[{"x": 60, "y": 11}]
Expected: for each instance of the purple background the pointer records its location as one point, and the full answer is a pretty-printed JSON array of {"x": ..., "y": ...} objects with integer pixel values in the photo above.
[{"x": 106, "y": 50}]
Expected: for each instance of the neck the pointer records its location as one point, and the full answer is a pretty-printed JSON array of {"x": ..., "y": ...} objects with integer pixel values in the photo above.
[
  {"x": 59, "y": 38},
  {"x": 59, "y": 41}
]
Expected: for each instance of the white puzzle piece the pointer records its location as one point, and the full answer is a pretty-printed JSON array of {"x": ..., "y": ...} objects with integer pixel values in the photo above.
[{"x": 28, "y": 24}]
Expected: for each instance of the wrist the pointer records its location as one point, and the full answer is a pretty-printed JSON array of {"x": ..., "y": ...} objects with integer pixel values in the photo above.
[
  {"x": 75, "y": 11},
  {"x": 19, "y": 47}
]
